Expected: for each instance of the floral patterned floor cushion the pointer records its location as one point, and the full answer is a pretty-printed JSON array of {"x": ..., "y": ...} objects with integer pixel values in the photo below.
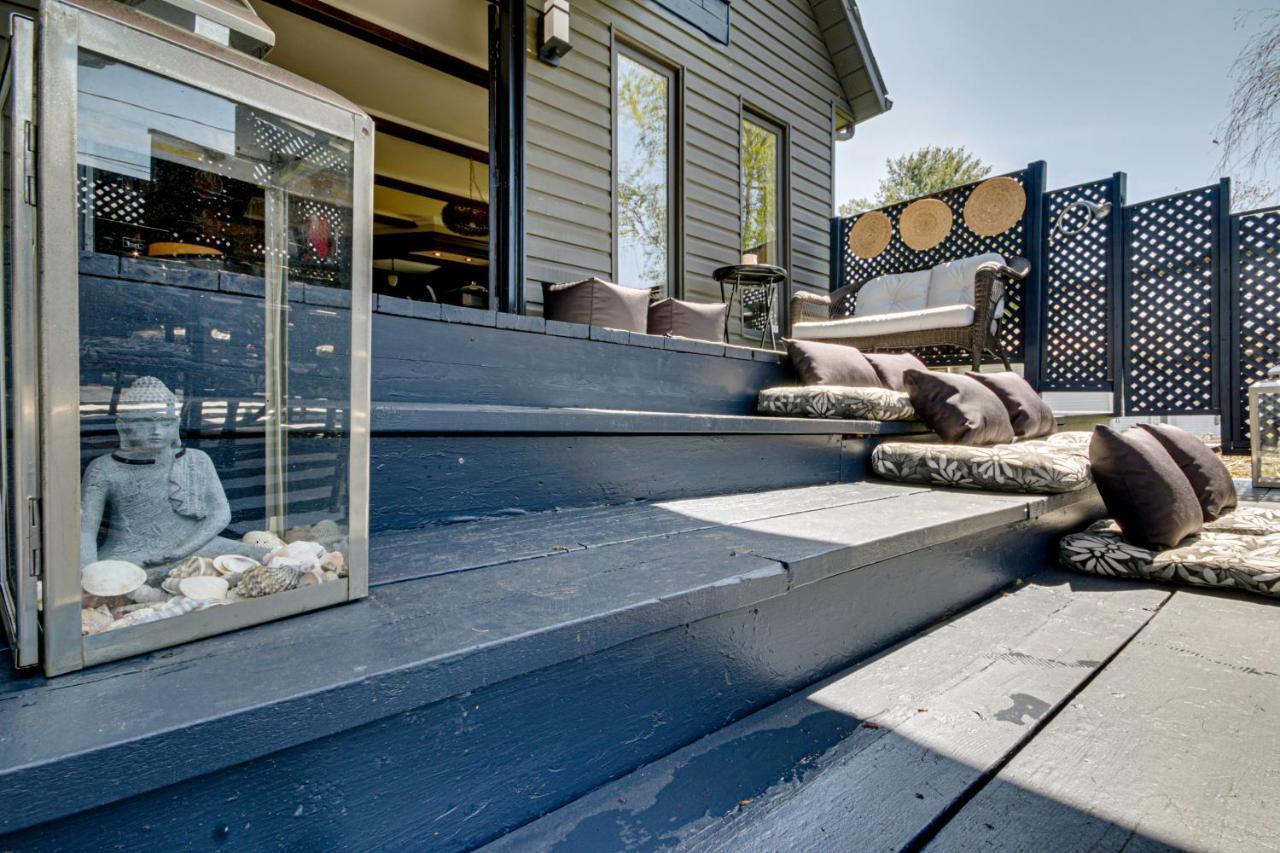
[
  {"x": 1216, "y": 557},
  {"x": 837, "y": 401},
  {"x": 1056, "y": 463}
]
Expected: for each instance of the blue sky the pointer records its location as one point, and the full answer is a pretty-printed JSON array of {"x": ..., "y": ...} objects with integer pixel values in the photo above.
[{"x": 1090, "y": 86}]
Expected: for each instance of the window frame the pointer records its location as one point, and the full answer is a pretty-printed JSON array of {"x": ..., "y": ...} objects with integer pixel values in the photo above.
[
  {"x": 674, "y": 73},
  {"x": 782, "y": 129}
]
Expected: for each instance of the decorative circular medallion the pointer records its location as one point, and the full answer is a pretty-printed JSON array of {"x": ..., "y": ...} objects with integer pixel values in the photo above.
[
  {"x": 995, "y": 206},
  {"x": 925, "y": 223},
  {"x": 870, "y": 234}
]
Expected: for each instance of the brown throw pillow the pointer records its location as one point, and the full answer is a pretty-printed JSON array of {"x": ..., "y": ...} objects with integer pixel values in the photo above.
[
  {"x": 890, "y": 367},
  {"x": 831, "y": 364},
  {"x": 1031, "y": 416},
  {"x": 1143, "y": 488},
  {"x": 701, "y": 320},
  {"x": 594, "y": 302},
  {"x": 1208, "y": 475},
  {"x": 957, "y": 408}
]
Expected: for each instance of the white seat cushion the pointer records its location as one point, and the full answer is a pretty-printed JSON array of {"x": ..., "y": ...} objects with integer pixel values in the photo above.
[
  {"x": 942, "y": 317},
  {"x": 952, "y": 282},
  {"x": 885, "y": 294}
]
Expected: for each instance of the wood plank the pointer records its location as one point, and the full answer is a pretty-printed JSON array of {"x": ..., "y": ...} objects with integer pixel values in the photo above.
[
  {"x": 869, "y": 758},
  {"x": 1173, "y": 746},
  {"x": 443, "y": 549},
  {"x": 435, "y": 418}
]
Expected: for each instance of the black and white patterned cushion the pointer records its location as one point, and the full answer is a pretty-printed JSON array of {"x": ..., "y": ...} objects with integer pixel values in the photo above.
[
  {"x": 1054, "y": 464},
  {"x": 1241, "y": 550},
  {"x": 837, "y": 401}
]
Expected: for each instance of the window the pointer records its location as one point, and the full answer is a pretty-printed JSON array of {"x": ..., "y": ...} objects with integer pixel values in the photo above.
[
  {"x": 643, "y": 199},
  {"x": 762, "y": 231}
]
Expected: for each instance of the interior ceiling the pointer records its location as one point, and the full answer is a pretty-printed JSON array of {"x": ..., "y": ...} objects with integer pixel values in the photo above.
[
  {"x": 391, "y": 86},
  {"x": 458, "y": 27}
]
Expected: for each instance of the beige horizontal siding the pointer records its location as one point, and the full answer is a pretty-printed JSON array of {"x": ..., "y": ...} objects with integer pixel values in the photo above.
[{"x": 776, "y": 62}]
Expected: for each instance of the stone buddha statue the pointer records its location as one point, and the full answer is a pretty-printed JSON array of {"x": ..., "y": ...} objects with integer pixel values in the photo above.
[{"x": 152, "y": 501}]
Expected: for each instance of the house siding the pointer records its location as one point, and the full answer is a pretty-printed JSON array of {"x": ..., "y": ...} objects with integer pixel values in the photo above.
[{"x": 776, "y": 63}]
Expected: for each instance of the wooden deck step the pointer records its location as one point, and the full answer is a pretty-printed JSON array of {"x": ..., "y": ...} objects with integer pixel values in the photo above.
[
  {"x": 1173, "y": 747},
  {"x": 661, "y": 621},
  {"x": 872, "y": 758}
]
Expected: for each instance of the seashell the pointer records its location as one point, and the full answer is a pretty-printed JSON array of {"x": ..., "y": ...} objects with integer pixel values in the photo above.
[
  {"x": 148, "y": 595},
  {"x": 311, "y": 578},
  {"x": 94, "y": 620},
  {"x": 195, "y": 567},
  {"x": 112, "y": 577},
  {"x": 117, "y": 612},
  {"x": 170, "y": 585},
  {"x": 334, "y": 562},
  {"x": 297, "y": 534},
  {"x": 262, "y": 539},
  {"x": 171, "y": 608},
  {"x": 267, "y": 580},
  {"x": 326, "y": 532},
  {"x": 232, "y": 566},
  {"x": 331, "y": 576},
  {"x": 203, "y": 588}
]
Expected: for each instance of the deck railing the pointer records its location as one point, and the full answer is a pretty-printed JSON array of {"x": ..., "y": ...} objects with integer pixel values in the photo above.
[{"x": 1171, "y": 305}]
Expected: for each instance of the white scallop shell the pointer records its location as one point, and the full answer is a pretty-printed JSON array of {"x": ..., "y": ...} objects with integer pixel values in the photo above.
[
  {"x": 204, "y": 588},
  {"x": 262, "y": 539},
  {"x": 299, "y": 556},
  {"x": 106, "y": 578},
  {"x": 232, "y": 566}
]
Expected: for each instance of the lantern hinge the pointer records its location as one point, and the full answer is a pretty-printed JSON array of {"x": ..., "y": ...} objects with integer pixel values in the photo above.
[
  {"x": 29, "y": 163},
  {"x": 35, "y": 535}
]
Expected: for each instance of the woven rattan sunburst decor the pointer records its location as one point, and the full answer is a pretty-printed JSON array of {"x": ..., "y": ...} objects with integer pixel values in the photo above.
[
  {"x": 871, "y": 234},
  {"x": 995, "y": 206},
  {"x": 925, "y": 223}
]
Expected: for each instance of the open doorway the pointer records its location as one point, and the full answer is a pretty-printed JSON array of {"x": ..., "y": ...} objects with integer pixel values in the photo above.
[{"x": 431, "y": 75}]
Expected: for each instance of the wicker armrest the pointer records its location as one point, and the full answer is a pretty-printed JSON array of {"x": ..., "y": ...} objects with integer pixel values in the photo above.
[{"x": 803, "y": 304}]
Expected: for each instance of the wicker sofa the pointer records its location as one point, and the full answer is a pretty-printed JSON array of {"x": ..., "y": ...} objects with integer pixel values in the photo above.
[{"x": 958, "y": 303}]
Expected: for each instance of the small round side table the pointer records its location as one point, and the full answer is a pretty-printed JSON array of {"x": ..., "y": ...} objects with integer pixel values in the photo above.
[{"x": 758, "y": 284}]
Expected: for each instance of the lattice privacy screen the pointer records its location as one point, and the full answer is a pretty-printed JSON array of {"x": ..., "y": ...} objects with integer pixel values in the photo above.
[
  {"x": 960, "y": 242},
  {"x": 1080, "y": 287},
  {"x": 1170, "y": 303},
  {"x": 1255, "y": 309}
]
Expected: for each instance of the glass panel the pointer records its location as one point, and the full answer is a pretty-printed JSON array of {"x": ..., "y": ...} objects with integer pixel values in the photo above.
[
  {"x": 760, "y": 213},
  {"x": 215, "y": 349},
  {"x": 17, "y": 343},
  {"x": 7, "y": 438},
  {"x": 644, "y": 151}
]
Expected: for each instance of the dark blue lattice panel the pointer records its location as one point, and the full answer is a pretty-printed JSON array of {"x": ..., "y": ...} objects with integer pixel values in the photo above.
[
  {"x": 1257, "y": 308},
  {"x": 1081, "y": 283},
  {"x": 959, "y": 243},
  {"x": 1170, "y": 304}
]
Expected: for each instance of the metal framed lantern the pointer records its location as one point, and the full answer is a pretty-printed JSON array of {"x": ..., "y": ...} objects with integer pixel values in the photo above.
[
  {"x": 185, "y": 326},
  {"x": 1264, "y": 429}
]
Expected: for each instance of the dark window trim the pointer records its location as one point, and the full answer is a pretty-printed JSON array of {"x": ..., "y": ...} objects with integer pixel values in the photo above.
[
  {"x": 507, "y": 155},
  {"x": 675, "y": 73},
  {"x": 748, "y": 111}
]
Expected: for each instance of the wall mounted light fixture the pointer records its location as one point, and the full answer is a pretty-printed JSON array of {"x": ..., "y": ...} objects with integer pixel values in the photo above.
[{"x": 553, "y": 31}]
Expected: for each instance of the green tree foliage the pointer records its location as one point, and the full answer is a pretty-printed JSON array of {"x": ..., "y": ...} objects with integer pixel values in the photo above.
[
  {"x": 926, "y": 171},
  {"x": 642, "y": 178},
  {"x": 759, "y": 191}
]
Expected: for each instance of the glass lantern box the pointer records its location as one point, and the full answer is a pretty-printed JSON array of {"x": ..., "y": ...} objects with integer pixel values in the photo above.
[
  {"x": 1264, "y": 430},
  {"x": 186, "y": 318}
]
